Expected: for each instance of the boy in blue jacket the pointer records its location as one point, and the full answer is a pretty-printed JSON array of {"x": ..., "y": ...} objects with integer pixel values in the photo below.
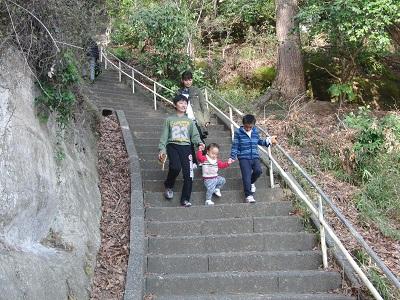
[{"x": 245, "y": 148}]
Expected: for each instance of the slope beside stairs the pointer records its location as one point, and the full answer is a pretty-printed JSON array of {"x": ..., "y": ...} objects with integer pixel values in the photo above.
[{"x": 233, "y": 250}]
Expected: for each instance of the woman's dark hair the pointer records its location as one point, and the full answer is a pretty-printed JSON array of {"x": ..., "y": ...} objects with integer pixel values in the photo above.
[
  {"x": 212, "y": 145},
  {"x": 187, "y": 75},
  {"x": 249, "y": 119}
]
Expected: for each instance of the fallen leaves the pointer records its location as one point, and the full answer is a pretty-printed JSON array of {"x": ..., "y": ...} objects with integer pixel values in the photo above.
[{"x": 112, "y": 258}]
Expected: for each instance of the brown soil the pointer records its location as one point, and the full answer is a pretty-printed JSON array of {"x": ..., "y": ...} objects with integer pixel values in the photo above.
[{"x": 112, "y": 258}]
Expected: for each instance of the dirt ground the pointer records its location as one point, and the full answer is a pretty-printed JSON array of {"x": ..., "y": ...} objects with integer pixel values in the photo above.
[{"x": 317, "y": 124}]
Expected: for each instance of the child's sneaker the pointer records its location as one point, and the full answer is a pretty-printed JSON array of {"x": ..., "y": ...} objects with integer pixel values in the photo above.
[
  {"x": 209, "y": 203},
  {"x": 169, "y": 194},
  {"x": 217, "y": 192},
  {"x": 250, "y": 199},
  {"x": 186, "y": 203},
  {"x": 253, "y": 188}
]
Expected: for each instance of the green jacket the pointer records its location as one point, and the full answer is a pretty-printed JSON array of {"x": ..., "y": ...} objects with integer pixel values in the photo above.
[
  {"x": 199, "y": 104},
  {"x": 178, "y": 130}
]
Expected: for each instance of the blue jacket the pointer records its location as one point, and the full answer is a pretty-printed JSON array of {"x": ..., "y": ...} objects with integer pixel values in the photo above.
[{"x": 244, "y": 147}]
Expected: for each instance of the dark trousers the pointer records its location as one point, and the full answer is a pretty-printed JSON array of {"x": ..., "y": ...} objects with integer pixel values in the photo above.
[
  {"x": 179, "y": 157},
  {"x": 202, "y": 137},
  {"x": 251, "y": 170}
]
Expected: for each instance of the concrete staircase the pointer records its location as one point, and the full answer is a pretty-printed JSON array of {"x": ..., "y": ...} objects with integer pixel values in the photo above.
[{"x": 233, "y": 250}]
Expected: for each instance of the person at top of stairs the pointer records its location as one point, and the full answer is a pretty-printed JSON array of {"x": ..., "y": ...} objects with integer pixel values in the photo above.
[
  {"x": 245, "y": 148},
  {"x": 211, "y": 164},
  {"x": 177, "y": 136},
  {"x": 197, "y": 109}
]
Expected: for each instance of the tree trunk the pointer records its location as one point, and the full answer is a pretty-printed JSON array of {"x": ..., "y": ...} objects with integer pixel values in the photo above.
[{"x": 289, "y": 83}]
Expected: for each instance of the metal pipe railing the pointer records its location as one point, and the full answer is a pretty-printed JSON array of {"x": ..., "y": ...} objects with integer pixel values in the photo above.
[
  {"x": 317, "y": 212},
  {"x": 336, "y": 210}
]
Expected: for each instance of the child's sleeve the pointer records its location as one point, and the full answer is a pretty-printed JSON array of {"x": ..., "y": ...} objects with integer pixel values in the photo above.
[
  {"x": 200, "y": 157},
  {"x": 235, "y": 145},
  {"x": 164, "y": 137},
  {"x": 222, "y": 164},
  {"x": 194, "y": 135}
]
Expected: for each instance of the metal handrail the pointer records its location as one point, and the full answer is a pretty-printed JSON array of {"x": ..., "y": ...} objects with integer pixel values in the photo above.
[
  {"x": 335, "y": 209},
  {"x": 285, "y": 176}
]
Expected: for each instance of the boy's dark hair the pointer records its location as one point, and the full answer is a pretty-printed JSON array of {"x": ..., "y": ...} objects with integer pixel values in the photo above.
[
  {"x": 179, "y": 97},
  {"x": 187, "y": 75},
  {"x": 249, "y": 119},
  {"x": 212, "y": 145}
]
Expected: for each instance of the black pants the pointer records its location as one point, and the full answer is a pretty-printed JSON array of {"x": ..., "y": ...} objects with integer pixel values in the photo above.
[
  {"x": 179, "y": 157},
  {"x": 202, "y": 137},
  {"x": 251, "y": 170}
]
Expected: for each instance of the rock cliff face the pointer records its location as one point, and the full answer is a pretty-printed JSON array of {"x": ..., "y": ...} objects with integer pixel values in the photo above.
[{"x": 49, "y": 196}]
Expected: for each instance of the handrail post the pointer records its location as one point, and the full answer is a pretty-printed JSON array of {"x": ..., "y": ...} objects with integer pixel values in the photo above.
[
  {"x": 101, "y": 54},
  {"x": 231, "y": 119},
  {"x": 105, "y": 62},
  {"x": 271, "y": 170},
  {"x": 206, "y": 96},
  {"x": 322, "y": 233},
  {"x": 119, "y": 71},
  {"x": 155, "y": 95},
  {"x": 133, "y": 81}
]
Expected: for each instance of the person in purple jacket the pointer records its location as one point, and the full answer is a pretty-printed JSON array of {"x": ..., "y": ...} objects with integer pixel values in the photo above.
[{"x": 245, "y": 149}]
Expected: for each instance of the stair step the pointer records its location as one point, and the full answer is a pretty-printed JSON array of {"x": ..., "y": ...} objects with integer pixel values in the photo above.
[
  {"x": 198, "y": 197},
  {"x": 224, "y": 226},
  {"x": 158, "y": 174},
  {"x": 198, "y": 185},
  {"x": 266, "y": 241},
  {"x": 237, "y": 210},
  {"x": 224, "y": 154},
  {"x": 143, "y": 132},
  {"x": 242, "y": 296},
  {"x": 235, "y": 262},
  {"x": 223, "y": 140},
  {"x": 244, "y": 282}
]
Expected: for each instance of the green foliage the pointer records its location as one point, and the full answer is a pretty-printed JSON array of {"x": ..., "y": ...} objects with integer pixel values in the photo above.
[
  {"x": 239, "y": 96},
  {"x": 380, "y": 282},
  {"x": 122, "y": 53},
  {"x": 263, "y": 76},
  {"x": 355, "y": 31},
  {"x": 57, "y": 95},
  {"x": 377, "y": 152},
  {"x": 241, "y": 15},
  {"x": 342, "y": 91},
  {"x": 161, "y": 30},
  {"x": 352, "y": 23}
]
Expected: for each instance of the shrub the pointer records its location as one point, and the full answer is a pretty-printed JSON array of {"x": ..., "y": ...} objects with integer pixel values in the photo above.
[
  {"x": 377, "y": 152},
  {"x": 57, "y": 92},
  {"x": 122, "y": 53}
]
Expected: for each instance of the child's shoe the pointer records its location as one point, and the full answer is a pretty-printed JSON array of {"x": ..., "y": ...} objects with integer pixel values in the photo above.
[
  {"x": 169, "y": 194},
  {"x": 186, "y": 203},
  {"x": 209, "y": 203},
  {"x": 250, "y": 199},
  {"x": 253, "y": 188},
  {"x": 217, "y": 192}
]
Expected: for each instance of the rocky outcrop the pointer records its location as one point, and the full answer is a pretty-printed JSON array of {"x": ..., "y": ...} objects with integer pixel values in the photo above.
[{"x": 49, "y": 195}]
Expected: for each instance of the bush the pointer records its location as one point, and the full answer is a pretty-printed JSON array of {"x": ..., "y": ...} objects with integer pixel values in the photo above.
[
  {"x": 264, "y": 76},
  {"x": 377, "y": 152},
  {"x": 122, "y": 53},
  {"x": 57, "y": 92}
]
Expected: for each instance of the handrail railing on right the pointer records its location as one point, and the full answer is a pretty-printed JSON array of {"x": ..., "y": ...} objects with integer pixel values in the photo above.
[
  {"x": 273, "y": 163},
  {"x": 335, "y": 209}
]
